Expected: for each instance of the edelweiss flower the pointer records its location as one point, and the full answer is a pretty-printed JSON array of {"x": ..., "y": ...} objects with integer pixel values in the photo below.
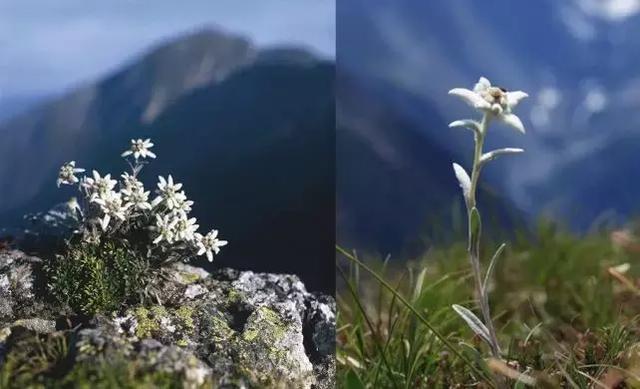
[
  {"x": 67, "y": 174},
  {"x": 99, "y": 186},
  {"x": 129, "y": 181},
  {"x": 183, "y": 206},
  {"x": 168, "y": 193},
  {"x": 209, "y": 244},
  {"x": 135, "y": 196},
  {"x": 165, "y": 228},
  {"x": 494, "y": 100},
  {"x": 112, "y": 207},
  {"x": 140, "y": 148},
  {"x": 185, "y": 228}
]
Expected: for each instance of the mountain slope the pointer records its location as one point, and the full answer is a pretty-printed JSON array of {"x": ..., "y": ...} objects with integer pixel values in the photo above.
[
  {"x": 396, "y": 190},
  {"x": 248, "y": 131},
  {"x": 577, "y": 59}
]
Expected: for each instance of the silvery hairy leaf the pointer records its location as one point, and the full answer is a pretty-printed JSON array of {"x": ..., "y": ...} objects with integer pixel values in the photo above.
[
  {"x": 463, "y": 180},
  {"x": 466, "y": 123},
  {"x": 476, "y": 325},
  {"x": 491, "y": 155}
]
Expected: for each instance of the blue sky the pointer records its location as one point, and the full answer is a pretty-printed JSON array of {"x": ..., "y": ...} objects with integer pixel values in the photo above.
[{"x": 50, "y": 45}]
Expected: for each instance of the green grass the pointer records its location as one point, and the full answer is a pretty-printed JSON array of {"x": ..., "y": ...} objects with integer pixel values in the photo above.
[{"x": 562, "y": 319}]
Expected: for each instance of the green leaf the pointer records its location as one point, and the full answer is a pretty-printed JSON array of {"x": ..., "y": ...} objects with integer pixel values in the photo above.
[
  {"x": 492, "y": 264},
  {"x": 353, "y": 381}
]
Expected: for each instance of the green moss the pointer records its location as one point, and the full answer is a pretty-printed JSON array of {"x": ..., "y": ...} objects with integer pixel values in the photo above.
[
  {"x": 184, "y": 315},
  {"x": 267, "y": 323},
  {"x": 259, "y": 344},
  {"x": 182, "y": 342},
  {"x": 149, "y": 320},
  {"x": 233, "y": 296},
  {"x": 189, "y": 278}
]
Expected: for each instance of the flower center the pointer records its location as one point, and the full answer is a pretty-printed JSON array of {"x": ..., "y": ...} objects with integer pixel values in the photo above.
[{"x": 495, "y": 95}]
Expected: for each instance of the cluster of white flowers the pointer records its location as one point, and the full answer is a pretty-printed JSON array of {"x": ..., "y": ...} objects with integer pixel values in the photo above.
[{"x": 115, "y": 206}]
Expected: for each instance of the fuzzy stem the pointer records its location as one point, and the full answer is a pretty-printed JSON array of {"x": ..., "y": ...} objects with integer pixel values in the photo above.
[{"x": 474, "y": 241}]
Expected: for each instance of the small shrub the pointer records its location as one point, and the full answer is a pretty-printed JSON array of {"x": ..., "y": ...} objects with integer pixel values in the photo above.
[
  {"x": 121, "y": 238},
  {"x": 94, "y": 278}
]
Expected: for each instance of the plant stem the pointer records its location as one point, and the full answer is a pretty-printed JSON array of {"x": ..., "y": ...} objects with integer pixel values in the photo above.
[{"x": 474, "y": 242}]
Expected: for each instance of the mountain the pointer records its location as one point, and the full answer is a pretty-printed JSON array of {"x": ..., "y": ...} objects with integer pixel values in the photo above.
[
  {"x": 396, "y": 191},
  {"x": 11, "y": 106},
  {"x": 577, "y": 59},
  {"x": 249, "y": 132}
]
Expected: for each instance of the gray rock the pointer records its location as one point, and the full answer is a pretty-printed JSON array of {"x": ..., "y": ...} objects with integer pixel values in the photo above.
[
  {"x": 227, "y": 329},
  {"x": 16, "y": 284}
]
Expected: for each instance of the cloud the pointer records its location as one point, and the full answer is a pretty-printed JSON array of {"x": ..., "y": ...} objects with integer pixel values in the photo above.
[{"x": 48, "y": 45}]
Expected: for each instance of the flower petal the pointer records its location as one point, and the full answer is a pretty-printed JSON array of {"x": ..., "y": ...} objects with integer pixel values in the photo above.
[
  {"x": 482, "y": 84},
  {"x": 471, "y": 98},
  {"x": 513, "y": 121},
  {"x": 513, "y": 98}
]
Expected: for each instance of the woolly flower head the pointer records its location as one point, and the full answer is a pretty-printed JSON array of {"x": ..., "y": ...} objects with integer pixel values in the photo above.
[
  {"x": 185, "y": 227},
  {"x": 98, "y": 186},
  {"x": 112, "y": 208},
  {"x": 137, "y": 197},
  {"x": 140, "y": 148},
  {"x": 209, "y": 244},
  {"x": 494, "y": 100},
  {"x": 67, "y": 174},
  {"x": 165, "y": 229},
  {"x": 168, "y": 193}
]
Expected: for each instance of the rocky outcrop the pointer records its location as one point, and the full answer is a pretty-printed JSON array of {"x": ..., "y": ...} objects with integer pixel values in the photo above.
[{"x": 225, "y": 329}]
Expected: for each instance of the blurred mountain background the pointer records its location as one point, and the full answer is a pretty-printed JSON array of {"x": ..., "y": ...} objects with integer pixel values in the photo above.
[
  {"x": 249, "y": 129},
  {"x": 577, "y": 59}
]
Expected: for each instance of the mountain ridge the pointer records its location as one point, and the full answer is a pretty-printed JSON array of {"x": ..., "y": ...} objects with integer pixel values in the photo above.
[{"x": 253, "y": 146}]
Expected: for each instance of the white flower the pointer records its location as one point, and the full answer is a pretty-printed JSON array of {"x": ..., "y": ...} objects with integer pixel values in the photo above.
[
  {"x": 140, "y": 148},
  {"x": 494, "y": 100},
  {"x": 99, "y": 186},
  {"x": 185, "y": 228},
  {"x": 165, "y": 228},
  {"x": 135, "y": 196},
  {"x": 67, "y": 174},
  {"x": 183, "y": 205},
  {"x": 209, "y": 244},
  {"x": 129, "y": 181},
  {"x": 168, "y": 193},
  {"x": 111, "y": 207}
]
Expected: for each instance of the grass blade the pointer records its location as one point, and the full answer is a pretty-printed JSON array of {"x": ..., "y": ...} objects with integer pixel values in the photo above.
[{"x": 419, "y": 316}]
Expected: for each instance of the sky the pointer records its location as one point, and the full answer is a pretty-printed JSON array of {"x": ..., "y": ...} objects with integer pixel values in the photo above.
[{"x": 51, "y": 45}]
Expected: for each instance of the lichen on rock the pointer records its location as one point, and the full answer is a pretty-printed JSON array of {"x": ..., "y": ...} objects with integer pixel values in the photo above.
[{"x": 226, "y": 329}]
